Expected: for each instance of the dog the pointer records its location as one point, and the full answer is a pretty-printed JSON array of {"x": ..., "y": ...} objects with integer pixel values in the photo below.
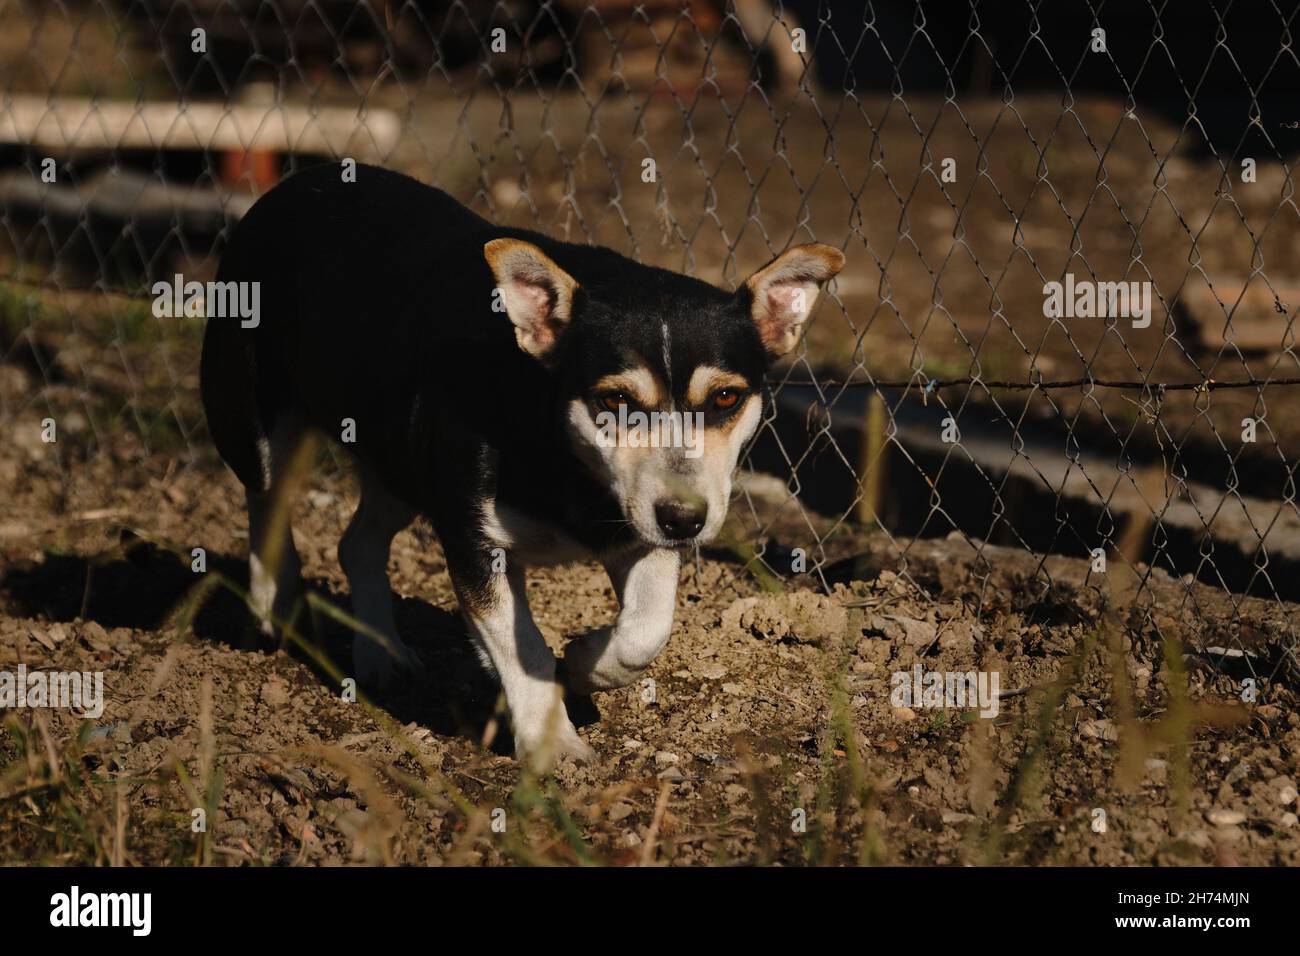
[{"x": 490, "y": 379}]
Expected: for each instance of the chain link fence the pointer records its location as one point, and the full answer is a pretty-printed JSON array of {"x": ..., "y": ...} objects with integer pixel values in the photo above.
[{"x": 1067, "y": 313}]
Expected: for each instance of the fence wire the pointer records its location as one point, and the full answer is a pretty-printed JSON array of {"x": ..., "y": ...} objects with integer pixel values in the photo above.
[{"x": 964, "y": 157}]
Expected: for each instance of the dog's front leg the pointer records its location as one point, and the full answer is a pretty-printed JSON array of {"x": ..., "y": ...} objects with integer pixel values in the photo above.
[
  {"x": 502, "y": 624},
  {"x": 646, "y": 585}
]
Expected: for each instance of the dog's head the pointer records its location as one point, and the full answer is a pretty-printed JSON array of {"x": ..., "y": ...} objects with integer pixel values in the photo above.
[{"x": 661, "y": 374}]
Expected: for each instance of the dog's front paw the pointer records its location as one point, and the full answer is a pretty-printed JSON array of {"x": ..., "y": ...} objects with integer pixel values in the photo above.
[
  {"x": 377, "y": 666},
  {"x": 542, "y": 750}
]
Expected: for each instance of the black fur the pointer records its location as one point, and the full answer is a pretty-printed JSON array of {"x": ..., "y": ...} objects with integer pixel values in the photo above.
[{"x": 376, "y": 305}]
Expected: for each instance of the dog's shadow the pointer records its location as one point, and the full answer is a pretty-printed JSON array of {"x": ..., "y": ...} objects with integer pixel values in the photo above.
[{"x": 144, "y": 587}]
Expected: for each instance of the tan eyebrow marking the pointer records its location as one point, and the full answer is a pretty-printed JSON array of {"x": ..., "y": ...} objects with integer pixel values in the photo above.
[
  {"x": 707, "y": 379},
  {"x": 638, "y": 383}
]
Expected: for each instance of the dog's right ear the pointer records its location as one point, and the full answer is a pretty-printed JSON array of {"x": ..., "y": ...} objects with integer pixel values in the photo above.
[{"x": 538, "y": 294}]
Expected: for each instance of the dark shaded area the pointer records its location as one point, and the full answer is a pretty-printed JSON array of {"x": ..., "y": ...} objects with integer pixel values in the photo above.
[
  {"x": 142, "y": 586},
  {"x": 255, "y": 41},
  {"x": 932, "y": 488},
  {"x": 1217, "y": 68}
]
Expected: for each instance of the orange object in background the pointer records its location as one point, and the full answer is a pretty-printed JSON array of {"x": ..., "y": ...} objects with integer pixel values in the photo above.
[{"x": 257, "y": 169}]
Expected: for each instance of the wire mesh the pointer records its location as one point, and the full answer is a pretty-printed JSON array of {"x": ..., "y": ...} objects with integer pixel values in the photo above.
[{"x": 964, "y": 157}]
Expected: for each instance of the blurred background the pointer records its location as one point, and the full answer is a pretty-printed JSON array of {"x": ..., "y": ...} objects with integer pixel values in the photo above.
[{"x": 133, "y": 135}]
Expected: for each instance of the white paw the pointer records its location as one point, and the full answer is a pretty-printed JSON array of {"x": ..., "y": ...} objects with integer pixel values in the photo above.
[
  {"x": 542, "y": 750},
  {"x": 579, "y": 675}
]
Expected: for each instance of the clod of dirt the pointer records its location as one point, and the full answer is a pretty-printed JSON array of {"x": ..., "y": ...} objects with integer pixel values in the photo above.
[
  {"x": 908, "y": 630},
  {"x": 804, "y": 617},
  {"x": 1099, "y": 729}
]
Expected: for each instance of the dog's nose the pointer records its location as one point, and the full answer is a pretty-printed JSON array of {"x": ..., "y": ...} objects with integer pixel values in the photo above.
[{"x": 679, "y": 519}]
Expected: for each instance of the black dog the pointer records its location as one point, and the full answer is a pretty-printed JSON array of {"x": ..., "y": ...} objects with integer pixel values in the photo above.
[{"x": 537, "y": 401}]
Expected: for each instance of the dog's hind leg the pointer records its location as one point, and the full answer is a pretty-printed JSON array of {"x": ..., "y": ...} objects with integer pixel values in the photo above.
[
  {"x": 646, "y": 586},
  {"x": 378, "y": 654},
  {"x": 274, "y": 568}
]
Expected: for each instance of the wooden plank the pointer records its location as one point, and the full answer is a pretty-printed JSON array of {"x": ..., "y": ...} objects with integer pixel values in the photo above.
[{"x": 68, "y": 124}]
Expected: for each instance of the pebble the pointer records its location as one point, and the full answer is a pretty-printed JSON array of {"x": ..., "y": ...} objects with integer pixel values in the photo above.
[
  {"x": 913, "y": 632},
  {"x": 1225, "y": 818},
  {"x": 1238, "y": 772},
  {"x": 1286, "y": 796},
  {"x": 1099, "y": 729},
  {"x": 711, "y": 670},
  {"x": 1289, "y": 820},
  {"x": 905, "y": 713}
]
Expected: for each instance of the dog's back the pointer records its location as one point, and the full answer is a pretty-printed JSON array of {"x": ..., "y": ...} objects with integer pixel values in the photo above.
[
  {"x": 372, "y": 293},
  {"x": 375, "y": 299}
]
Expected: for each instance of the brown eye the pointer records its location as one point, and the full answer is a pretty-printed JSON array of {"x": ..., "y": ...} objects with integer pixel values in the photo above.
[
  {"x": 725, "y": 398},
  {"x": 613, "y": 400}
]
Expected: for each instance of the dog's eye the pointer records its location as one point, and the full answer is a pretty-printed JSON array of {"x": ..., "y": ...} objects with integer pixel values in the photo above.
[
  {"x": 725, "y": 399},
  {"x": 612, "y": 400}
]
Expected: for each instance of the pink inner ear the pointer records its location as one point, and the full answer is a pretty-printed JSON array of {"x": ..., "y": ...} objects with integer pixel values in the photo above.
[
  {"x": 780, "y": 301},
  {"x": 536, "y": 299}
]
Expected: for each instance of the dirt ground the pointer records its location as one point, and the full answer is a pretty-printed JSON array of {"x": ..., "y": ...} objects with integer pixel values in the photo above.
[{"x": 770, "y": 707}]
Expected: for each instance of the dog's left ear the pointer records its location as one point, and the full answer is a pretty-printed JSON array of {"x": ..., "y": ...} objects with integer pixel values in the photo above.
[
  {"x": 783, "y": 292},
  {"x": 538, "y": 294}
]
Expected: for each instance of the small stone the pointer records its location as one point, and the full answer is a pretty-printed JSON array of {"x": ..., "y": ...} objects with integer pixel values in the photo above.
[
  {"x": 906, "y": 629},
  {"x": 665, "y": 758},
  {"x": 94, "y": 635},
  {"x": 1289, "y": 820},
  {"x": 620, "y": 811},
  {"x": 904, "y": 713},
  {"x": 1239, "y": 772},
  {"x": 1287, "y": 795},
  {"x": 1225, "y": 818},
  {"x": 1099, "y": 729}
]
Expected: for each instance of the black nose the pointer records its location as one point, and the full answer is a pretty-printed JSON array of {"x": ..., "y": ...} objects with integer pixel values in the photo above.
[{"x": 679, "y": 520}]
